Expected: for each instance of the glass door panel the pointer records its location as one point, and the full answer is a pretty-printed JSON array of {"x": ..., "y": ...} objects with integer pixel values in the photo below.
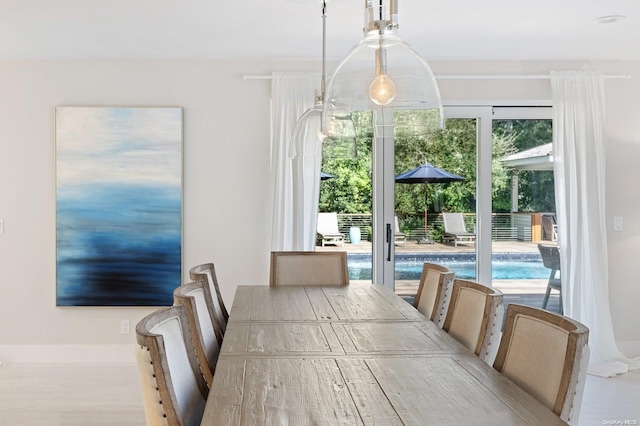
[
  {"x": 523, "y": 207},
  {"x": 346, "y": 189},
  {"x": 435, "y": 175}
]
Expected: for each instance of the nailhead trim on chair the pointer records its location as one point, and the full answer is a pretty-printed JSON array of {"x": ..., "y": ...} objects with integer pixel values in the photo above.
[
  {"x": 493, "y": 326},
  {"x": 572, "y": 409}
]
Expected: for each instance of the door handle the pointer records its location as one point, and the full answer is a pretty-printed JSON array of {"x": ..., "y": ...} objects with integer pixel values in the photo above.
[{"x": 389, "y": 237}]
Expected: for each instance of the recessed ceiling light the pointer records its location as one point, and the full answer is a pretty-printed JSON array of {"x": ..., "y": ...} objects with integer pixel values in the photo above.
[{"x": 609, "y": 19}]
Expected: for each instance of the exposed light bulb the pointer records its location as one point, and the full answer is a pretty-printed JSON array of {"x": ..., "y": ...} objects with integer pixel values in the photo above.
[
  {"x": 382, "y": 90},
  {"x": 400, "y": 81},
  {"x": 321, "y": 135},
  {"x": 328, "y": 129}
]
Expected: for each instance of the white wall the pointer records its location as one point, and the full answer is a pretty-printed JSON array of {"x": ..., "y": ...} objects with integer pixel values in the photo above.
[{"x": 226, "y": 183}]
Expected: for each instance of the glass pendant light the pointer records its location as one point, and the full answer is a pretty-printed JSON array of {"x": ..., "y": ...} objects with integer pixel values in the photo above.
[
  {"x": 309, "y": 129},
  {"x": 384, "y": 75}
]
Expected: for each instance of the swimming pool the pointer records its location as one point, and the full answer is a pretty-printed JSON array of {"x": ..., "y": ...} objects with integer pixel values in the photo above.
[{"x": 504, "y": 266}]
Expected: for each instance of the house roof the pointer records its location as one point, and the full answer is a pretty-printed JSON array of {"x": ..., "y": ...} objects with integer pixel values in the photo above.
[{"x": 536, "y": 158}]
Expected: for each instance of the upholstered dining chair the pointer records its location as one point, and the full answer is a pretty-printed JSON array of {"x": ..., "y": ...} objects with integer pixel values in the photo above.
[
  {"x": 547, "y": 355},
  {"x": 432, "y": 298},
  {"x": 475, "y": 317},
  {"x": 207, "y": 272},
  {"x": 173, "y": 388},
  {"x": 308, "y": 268},
  {"x": 205, "y": 330}
]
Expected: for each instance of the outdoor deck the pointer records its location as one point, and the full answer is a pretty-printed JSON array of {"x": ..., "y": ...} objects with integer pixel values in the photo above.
[
  {"x": 413, "y": 247},
  {"x": 527, "y": 292}
]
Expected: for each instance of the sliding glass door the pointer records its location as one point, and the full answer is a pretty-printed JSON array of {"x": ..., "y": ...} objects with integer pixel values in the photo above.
[
  {"x": 404, "y": 222},
  {"x": 407, "y": 216}
]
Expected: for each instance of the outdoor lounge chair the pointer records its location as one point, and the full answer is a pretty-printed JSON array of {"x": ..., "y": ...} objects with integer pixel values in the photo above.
[
  {"x": 400, "y": 238},
  {"x": 328, "y": 231},
  {"x": 455, "y": 230}
]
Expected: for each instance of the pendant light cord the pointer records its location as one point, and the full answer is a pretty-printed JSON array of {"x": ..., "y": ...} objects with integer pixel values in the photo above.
[{"x": 324, "y": 50}]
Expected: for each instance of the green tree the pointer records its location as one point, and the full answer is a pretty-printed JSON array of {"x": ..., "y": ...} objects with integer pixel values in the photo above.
[
  {"x": 535, "y": 188},
  {"x": 349, "y": 161},
  {"x": 452, "y": 149}
]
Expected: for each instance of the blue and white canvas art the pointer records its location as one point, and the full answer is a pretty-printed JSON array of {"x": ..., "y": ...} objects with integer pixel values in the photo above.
[{"x": 119, "y": 205}]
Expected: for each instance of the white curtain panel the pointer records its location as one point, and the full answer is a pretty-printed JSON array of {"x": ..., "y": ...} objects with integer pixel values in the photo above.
[
  {"x": 292, "y": 94},
  {"x": 306, "y": 155},
  {"x": 579, "y": 169}
]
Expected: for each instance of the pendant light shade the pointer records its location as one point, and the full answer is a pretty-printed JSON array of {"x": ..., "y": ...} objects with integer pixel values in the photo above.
[
  {"x": 382, "y": 74},
  {"x": 307, "y": 133}
]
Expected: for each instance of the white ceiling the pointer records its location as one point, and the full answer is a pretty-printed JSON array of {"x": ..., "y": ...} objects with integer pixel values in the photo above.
[{"x": 292, "y": 29}]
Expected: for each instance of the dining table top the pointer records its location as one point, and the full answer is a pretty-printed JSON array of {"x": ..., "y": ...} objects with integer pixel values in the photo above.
[{"x": 355, "y": 354}]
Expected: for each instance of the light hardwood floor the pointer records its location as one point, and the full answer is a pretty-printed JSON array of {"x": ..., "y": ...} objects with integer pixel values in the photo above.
[
  {"x": 70, "y": 394},
  {"x": 109, "y": 394}
]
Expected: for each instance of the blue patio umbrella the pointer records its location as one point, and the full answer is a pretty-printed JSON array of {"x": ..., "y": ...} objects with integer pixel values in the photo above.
[
  {"x": 427, "y": 173},
  {"x": 325, "y": 176}
]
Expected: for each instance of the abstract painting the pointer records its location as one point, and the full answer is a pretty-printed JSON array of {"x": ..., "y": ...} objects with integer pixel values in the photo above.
[{"x": 118, "y": 205}]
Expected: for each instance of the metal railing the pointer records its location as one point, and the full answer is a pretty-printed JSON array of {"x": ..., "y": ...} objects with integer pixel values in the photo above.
[
  {"x": 362, "y": 221},
  {"x": 504, "y": 226}
]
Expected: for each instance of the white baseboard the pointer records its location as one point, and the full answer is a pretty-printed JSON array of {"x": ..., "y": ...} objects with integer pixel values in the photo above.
[
  {"x": 67, "y": 353},
  {"x": 630, "y": 348}
]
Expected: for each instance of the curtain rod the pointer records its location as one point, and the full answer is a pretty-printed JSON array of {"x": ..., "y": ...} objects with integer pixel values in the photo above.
[{"x": 476, "y": 77}]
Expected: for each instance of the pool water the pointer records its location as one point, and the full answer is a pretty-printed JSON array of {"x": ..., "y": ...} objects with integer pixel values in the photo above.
[{"x": 505, "y": 266}]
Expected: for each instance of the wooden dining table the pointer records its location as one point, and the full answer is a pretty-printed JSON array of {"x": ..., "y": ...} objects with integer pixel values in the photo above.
[{"x": 355, "y": 354}]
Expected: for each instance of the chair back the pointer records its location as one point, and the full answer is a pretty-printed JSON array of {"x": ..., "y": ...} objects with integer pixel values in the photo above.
[
  {"x": 546, "y": 354},
  {"x": 550, "y": 256},
  {"x": 454, "y": 223},
  {"x": 399, "y": 236},
  {"x": 549, "y": 227},
  {"x": 174, "y": 390},
  {"x": 328, "y": 223},
  {"x": 201, "y": 319},
  {"x": 432, "y": 298},
  {"x": 475, "y": 317},
  {"x": 207, "y": 272},
  {"x": 308, "y": 268},
  {"x": 551, "y": 259}
]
